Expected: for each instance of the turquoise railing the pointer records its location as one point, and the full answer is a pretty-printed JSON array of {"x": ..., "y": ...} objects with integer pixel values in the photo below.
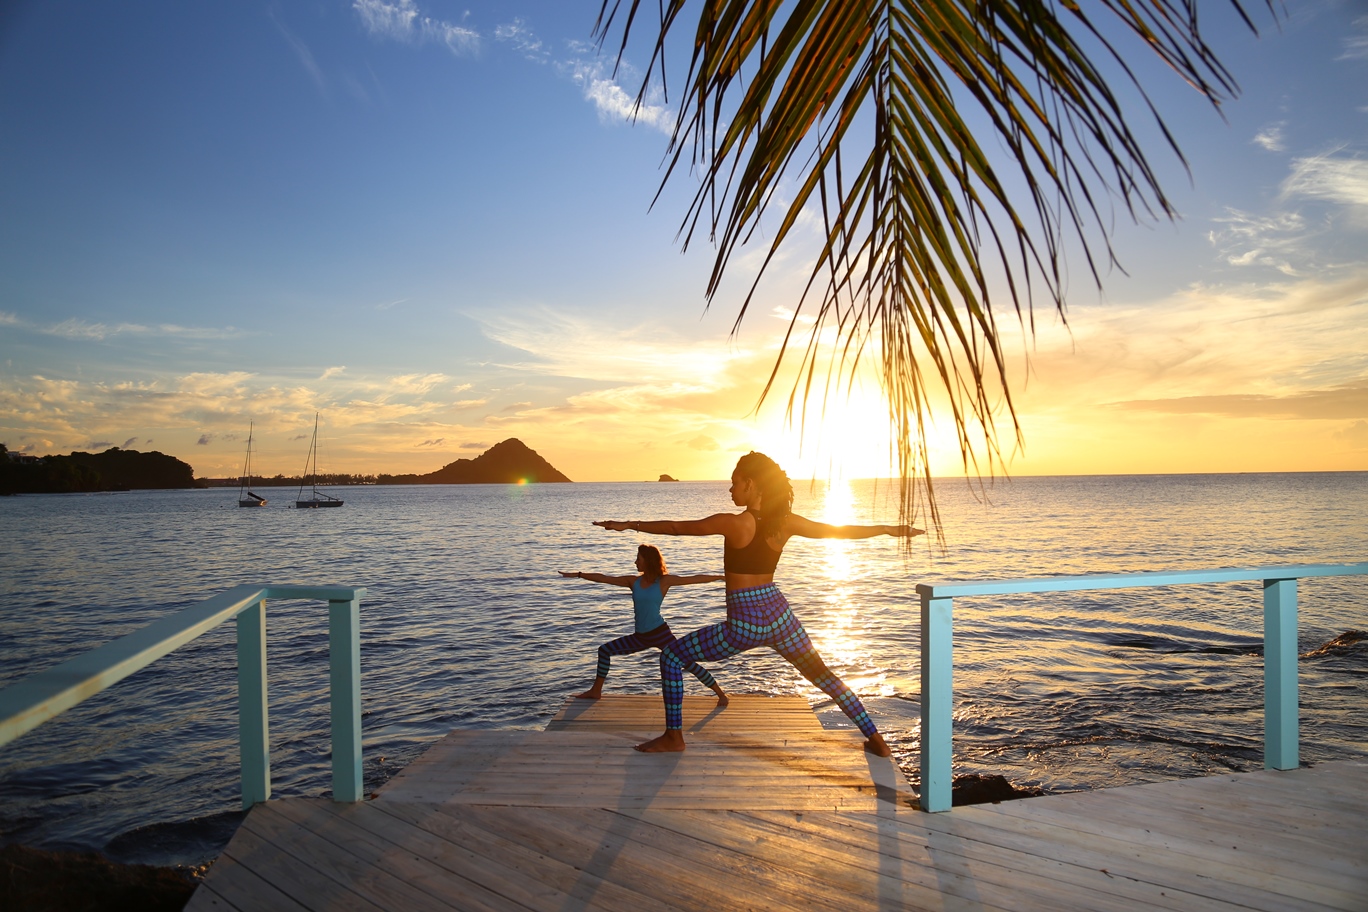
[
  {"x": 1281, "y": 727},
  {"x": 37, "y": 698}
]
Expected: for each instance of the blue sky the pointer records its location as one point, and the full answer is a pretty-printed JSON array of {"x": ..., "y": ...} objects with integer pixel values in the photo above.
[{"x": 431, "y": 222}]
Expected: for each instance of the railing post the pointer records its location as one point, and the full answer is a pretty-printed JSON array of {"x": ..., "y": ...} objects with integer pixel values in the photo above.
[
  {"x": 937, "y": 704},
  {"x": 254, "y": 737},
  {"x": 344, "y": 647},
  {"x": 1281, "y": 725}
]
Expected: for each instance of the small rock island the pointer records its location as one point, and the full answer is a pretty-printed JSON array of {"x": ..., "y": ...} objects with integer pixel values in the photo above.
[{"x": 509, "y": 462}]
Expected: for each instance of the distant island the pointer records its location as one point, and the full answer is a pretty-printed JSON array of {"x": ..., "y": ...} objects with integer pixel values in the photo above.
[
  {"x": 509, "y": 462},
  {"x": 113, "y": 470},
  {"x": 667, "y": 478}
]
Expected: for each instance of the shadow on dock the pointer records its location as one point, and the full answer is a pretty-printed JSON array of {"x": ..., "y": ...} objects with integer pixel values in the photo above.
[{"x": 768, "y": 811}]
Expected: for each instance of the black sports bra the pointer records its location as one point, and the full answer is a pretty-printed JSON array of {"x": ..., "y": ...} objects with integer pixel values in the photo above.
[{"x": 757, "y": 557}]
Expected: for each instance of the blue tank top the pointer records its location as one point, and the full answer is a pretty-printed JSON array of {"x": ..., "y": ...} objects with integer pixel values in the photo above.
[{"x": 646, "y": 602}]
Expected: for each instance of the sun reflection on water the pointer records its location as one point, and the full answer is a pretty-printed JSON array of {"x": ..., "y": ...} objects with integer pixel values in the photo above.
[{"x": 842, "y": 639}]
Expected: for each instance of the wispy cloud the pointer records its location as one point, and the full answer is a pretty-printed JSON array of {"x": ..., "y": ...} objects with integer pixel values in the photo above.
[
  {"x": 517, "y": 35},
  {"x": 1271, "y": 137},
  {"x": 403, "y": 21},
  {"x": 1356, "y": 46},
  {"x": 1247, "y": 240},
  {"x": 1288, "y": 348},
  {"x": 1333, "y": 189},
  {"x": 1329, "y": 177},
  {"x": 570, "y": 345},
  {"x": 614, "y": 104},
  {"x": 1355, "y": 436},
  {"x": 78, "y": 329},
  {"x": 1346, "y": 402},
  {"x": 302, "y": 52}
]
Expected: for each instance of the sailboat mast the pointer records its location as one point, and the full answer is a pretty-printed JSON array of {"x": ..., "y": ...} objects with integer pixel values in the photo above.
[
  {"x": 310, "y": 464},
  {"x": 245, "y": 479}
]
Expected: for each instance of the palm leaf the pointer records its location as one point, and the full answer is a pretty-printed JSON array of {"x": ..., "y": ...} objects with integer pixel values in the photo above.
[{"x": 779, "y": 96}]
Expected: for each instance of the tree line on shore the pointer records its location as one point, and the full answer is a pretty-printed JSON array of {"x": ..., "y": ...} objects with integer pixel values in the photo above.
[
  {"x": 113, "y": 470},
  {"x": 294, "y": 481}
]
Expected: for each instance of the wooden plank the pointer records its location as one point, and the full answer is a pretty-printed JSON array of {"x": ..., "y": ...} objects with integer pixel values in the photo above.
[
  {"x": 599, "y": 769},
  {"x": 451, "y": 872},
  {"x": 1017, "y": 879},
  {"x": 764, "y": 811},
  {"x": 350, "y": 868},
  {"x": 1341, "y": 788},
  {"x": 1142, "y": 854},
  {"x": 1260, "y": 846},
  {"x": 229, "y": 884},
  {"x": 694, "y": 874},
  {"x": 205, "y": 899},
  {"x": 303, "y": 883},
  {"x": 462, "y": 827},
  {"x": 745, "y": 714},
  {"x": 1100, "y": 864}
]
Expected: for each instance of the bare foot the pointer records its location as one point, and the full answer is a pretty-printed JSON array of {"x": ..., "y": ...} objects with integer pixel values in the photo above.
[
  {"x": 669, "y": 743},
  {"x": 594, "y": 692},
  {"x": 876, "y": 746},
  {"x": 722, "y": 699}
]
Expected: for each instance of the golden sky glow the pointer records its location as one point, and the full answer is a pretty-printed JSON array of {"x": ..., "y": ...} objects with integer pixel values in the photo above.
[{"x": 379, "y": 241}]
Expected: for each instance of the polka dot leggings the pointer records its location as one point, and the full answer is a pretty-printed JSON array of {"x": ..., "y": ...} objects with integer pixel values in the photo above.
[
  {"x": 758, "y": 616},
  {"x": 640, "y": 642}
]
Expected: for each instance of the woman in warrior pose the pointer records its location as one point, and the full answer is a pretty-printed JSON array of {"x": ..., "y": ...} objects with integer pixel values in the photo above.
[
  {"x": 648, "y": 592},
  {"x": 757, "y": 614}
]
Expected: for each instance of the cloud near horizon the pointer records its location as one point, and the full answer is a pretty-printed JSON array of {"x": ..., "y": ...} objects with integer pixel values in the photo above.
[{"x": 1227, "y": 367}]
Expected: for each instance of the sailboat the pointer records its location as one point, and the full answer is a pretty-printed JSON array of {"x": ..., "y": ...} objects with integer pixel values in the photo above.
[
  {"x": 316, "y": 499},
  {"x": 245, "y": 496}
]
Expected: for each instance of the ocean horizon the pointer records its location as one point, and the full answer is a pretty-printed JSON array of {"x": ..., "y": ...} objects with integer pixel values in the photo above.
[{"x": 466, "y": 624}]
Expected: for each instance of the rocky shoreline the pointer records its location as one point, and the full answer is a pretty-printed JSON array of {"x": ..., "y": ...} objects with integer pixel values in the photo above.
[{"x": 35, "y": 880}]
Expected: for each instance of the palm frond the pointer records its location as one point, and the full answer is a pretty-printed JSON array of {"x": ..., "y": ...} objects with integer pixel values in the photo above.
[{"x": 779, "y": 95}]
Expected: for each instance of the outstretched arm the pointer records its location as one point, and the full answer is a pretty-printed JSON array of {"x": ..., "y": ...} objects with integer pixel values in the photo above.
[
  {"x": 690, "y": 580},
  {"x": 717, "y": 524},
  {"x": 801, "y": 525},
  {"x": 598, "y": 578}
]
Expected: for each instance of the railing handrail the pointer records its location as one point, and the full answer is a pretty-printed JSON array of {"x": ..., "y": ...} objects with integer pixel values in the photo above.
[
  {"x": 1083, "y": 581},
  {"x": 1281, "y": 727},
  {"x": 39, "y": 697}
]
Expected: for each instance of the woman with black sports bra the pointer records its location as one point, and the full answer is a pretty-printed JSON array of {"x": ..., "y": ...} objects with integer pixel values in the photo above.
[{"x": 757, "y": 613}]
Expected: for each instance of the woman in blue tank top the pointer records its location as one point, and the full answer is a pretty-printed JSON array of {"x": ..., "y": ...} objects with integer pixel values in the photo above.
[
  {"x": 757, "y": 613},
  {"x": 651, "y": 632}
]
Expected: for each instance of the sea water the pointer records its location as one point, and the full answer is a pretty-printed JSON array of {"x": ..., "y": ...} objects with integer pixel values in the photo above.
[{"x": 466, "y": 624}]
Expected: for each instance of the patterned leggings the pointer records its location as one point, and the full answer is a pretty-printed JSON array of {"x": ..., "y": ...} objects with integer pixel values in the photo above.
[
  {"x": 759, "y": 616},
  {"x": 639, "y": 642}
]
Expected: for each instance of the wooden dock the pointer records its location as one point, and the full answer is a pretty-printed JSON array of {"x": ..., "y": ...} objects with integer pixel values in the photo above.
[{"x": 768, "y": 811}]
